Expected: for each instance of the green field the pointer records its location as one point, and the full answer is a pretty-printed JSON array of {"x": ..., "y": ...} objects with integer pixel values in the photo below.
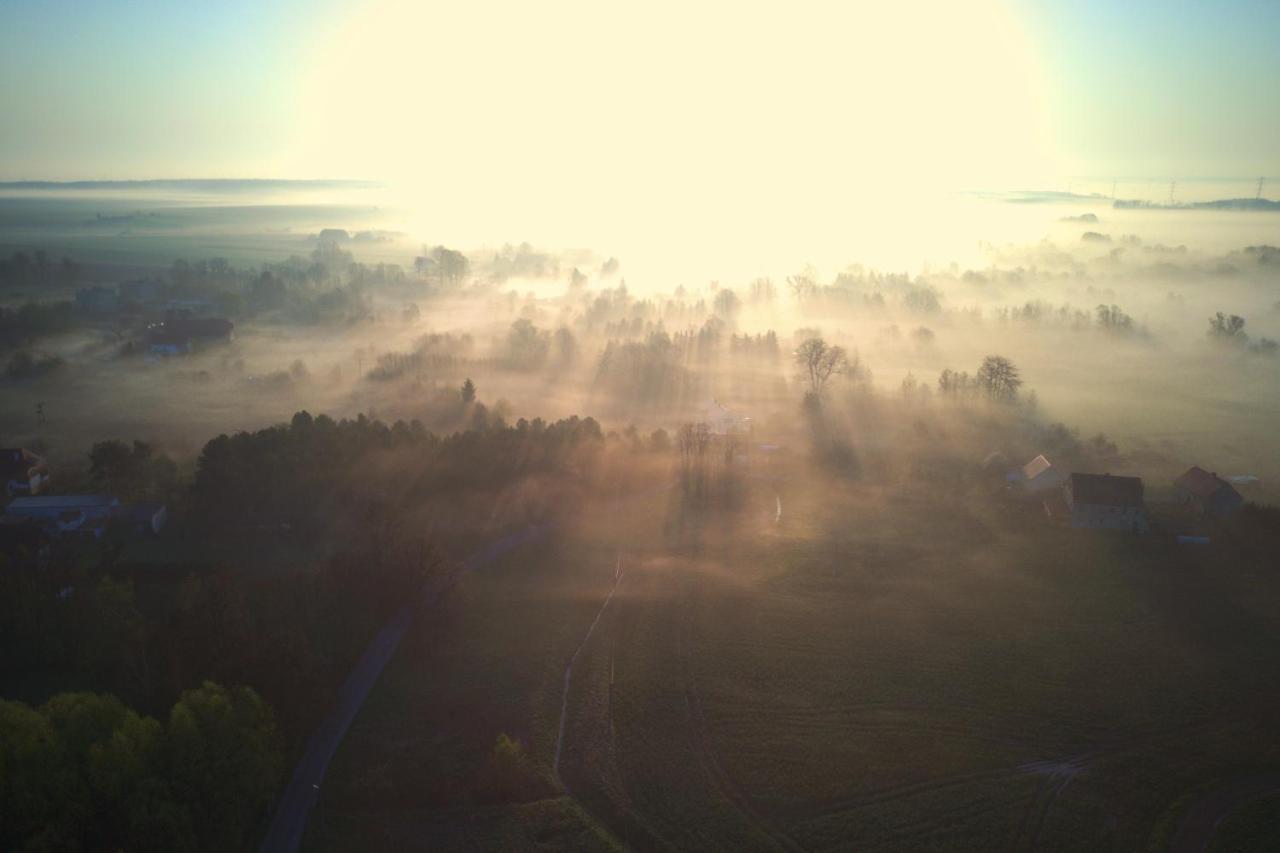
[{"x": 885, "y": 669}]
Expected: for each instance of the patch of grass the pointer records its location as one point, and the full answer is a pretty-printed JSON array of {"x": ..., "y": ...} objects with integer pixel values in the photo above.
[{"x": 1255, "y": 828}]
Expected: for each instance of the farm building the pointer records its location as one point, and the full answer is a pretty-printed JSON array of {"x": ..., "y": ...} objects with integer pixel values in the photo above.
[
  {"x": 1206, "y": 492},
  {"x": 723, "y": 421},
  {"x": 1037, "y": 477},
  {"x": 1104, "y": 502},
  {"x": 22, "y": 472},
  {"x": 59, "y": 514}
]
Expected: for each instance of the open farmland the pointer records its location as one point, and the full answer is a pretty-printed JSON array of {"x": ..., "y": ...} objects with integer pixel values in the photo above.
[{"x": 883, "y": 669}]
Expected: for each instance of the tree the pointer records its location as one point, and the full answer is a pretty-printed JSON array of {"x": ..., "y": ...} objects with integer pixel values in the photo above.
[
  {"x": 527, "y": 345},
  {"x": 1112, "y": 319},
  {"x": 130, "y": 470},
  {"x": 819, "y": 361},
  {"x": 998, "y": 378},
  {"x": 223, "y": 760},
  {"x": 763, "y": 290},
  {"x": 468, "y": 391},
  {"x": 1227, "y": 329},
  {"x": 727, "y": 304},
  {"x": 451, "y": 266}
]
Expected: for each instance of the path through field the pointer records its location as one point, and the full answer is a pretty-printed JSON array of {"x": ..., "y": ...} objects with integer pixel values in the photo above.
[
  {"x": 568, "y": 670},
  {"x": 294, "y": 805}
]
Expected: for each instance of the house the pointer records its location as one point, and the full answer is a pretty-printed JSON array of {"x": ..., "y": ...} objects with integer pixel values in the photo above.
[
  {"x": 1206, "y": 493},
  {"x": 723, "y": 422},
  {"x": 1105, "y": 502},
  {"x": 63, "y": 514},
  {"x": 22, "y": 472},
  {"x": 1037, "y": 477},
  {"x": 180, "y": 333}
]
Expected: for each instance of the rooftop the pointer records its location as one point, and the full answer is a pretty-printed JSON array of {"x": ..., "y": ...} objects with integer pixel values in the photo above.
[
  {"x": 1106, "y": 490},
  {"x": 1200, "y": 482},
  {"x": 61, "y": 502}
]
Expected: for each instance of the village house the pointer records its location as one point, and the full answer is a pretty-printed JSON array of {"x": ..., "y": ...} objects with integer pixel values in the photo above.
[
  {"x": 1206, "y": 493},
  {"x": 1102, "y": 501},
  {"x": 22, "y": 472},
  {"x": 179, "y": 334},
  {"x": 722, "y": 421}
]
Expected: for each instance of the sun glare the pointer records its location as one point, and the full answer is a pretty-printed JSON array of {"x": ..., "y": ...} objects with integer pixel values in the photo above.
[{"x": 594, "y": 117}]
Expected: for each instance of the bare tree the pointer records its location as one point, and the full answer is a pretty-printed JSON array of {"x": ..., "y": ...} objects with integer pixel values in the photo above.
[
  {"x": 998, "y": 378},
  {"x": 819, "y": 361},
  {"x": 693, "y": 441}
]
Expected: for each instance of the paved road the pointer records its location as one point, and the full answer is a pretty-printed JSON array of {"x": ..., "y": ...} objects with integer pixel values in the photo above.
[
  {"x": 1197, "y": 828},
  {"x": 284, "y": 835}
]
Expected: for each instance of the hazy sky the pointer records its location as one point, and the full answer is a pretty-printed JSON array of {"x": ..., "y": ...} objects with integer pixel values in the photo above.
[{"x": 736, "y": 100}]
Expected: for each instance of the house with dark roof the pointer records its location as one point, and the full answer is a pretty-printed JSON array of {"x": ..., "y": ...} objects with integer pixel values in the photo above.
[
  {"x": 1106, "y": 502},
  {"x": 1206, "y": 493}
]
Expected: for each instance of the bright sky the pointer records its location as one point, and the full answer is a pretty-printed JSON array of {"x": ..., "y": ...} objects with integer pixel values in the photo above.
[{"x": 477, "y": 102}]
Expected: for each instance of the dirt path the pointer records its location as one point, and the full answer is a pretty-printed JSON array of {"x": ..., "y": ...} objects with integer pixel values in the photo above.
[
  {"x": 292, "y": 809},
  {"x": 568, "y": 671},
  {"x": 1197, "y": 828}
]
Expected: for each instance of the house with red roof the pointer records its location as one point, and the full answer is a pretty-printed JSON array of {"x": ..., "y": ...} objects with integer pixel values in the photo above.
[{"x": 1206, "y": 493}]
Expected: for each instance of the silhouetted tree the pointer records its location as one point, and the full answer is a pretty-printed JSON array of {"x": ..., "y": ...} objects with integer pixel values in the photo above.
[
  {"x": 998, "y": 378},
  {"x": 819, "y": 361}
]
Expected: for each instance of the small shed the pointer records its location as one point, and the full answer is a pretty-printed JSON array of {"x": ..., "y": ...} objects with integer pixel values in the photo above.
[{"x": 1038, "y": 477}]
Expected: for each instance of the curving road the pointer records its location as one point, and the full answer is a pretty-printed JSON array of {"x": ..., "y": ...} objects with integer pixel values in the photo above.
[{"x": 284, "y": 835}]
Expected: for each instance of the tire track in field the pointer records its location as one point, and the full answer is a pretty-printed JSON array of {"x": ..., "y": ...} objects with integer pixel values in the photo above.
[
  {"x": 568, "y": 672},
  {"x": 1056, "y": 777},
  {"x": 706, "y": 754}
]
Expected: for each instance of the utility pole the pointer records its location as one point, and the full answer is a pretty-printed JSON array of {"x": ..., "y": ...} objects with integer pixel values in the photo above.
[{"x": 1258, "y": 197}]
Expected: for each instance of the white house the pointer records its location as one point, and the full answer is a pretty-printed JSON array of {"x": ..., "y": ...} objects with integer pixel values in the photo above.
[{"x": 722, "y": 421}]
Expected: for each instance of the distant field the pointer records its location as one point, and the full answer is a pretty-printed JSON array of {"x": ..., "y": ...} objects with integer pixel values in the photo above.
[
  {"x": 154, "y": 230},
  {"x": 890, "y": 670}
]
